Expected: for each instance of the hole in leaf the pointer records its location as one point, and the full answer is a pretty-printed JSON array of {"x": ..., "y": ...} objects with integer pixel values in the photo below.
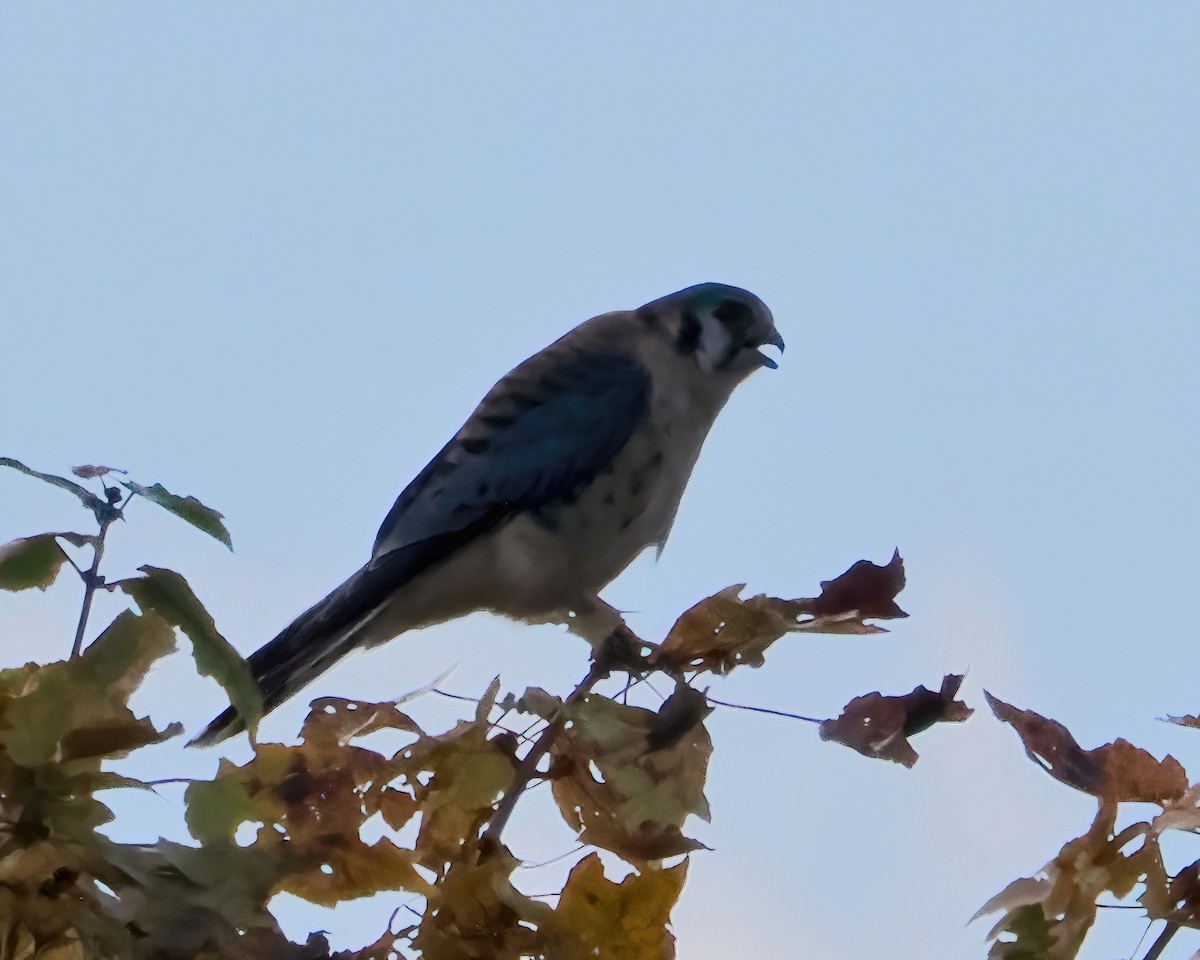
[{"x": 247, "y": 832}]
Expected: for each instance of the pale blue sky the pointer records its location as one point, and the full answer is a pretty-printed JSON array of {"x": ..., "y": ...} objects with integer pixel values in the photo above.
[{"x": 271, "y": 254}]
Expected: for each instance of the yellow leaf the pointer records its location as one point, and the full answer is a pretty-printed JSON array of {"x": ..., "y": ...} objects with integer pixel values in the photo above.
[{"x": 597, "y": 918}]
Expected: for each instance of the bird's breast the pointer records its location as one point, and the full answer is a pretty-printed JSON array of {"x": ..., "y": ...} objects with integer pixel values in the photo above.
[{"x": 580, "y": 544}]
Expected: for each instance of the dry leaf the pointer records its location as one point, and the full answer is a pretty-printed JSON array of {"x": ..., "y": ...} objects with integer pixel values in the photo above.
[
  {"x": 475, "y": 912},
  {"x": 621, "y": 793},
  {"x": 725, "y": 631},
  {"x": 879, "y": 726},
  {"x": 597, "y": 918},
  {"x": 1049, "y": 914},
  {"x": 1118, "y": 771},
  {"x": 92, "y": 471}
]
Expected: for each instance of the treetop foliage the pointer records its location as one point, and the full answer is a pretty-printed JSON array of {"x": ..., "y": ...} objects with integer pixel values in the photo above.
[{"x": 625, "y": 778}]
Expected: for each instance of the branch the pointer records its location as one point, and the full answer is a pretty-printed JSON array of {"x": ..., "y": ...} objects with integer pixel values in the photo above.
[
  {"x": 1160, "y": 944},
  {"x": 528, "y": 766},
  {"x": 91, "y": 580}
]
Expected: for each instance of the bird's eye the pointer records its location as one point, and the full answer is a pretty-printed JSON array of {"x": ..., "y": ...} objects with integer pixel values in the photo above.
[{"x": 733, "y": 313}]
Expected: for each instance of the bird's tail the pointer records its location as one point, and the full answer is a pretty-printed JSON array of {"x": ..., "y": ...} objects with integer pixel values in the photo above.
[{"x": 311, "y": 644}]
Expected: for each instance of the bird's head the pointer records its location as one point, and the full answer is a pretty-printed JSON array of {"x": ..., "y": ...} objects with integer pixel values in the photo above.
[{"x": 718, "y": 327}]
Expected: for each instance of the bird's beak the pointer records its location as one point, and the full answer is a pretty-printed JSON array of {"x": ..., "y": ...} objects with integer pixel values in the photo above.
[{"x": 774, "y": 340}]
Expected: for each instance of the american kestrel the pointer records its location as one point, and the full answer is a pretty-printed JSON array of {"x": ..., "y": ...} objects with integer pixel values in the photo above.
[{"x": 571, "y": 466}]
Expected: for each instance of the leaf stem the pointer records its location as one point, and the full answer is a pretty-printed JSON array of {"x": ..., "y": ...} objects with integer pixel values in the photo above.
[
  {"x": 775, "y": 713},
  {"x": 91, "y": 580}
]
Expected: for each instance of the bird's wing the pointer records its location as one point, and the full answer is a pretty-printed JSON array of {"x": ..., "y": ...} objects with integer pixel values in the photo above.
[{"x": 542, "y": 434}]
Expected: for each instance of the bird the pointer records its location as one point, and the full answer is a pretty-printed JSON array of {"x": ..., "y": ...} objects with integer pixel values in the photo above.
[{"x": 571, "y": 466}]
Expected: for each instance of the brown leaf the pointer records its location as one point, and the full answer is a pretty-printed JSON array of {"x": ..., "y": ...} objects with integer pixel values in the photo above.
[
  {"x": 1117, "y": 771},
  {"x": 395, "y": 806},
  {"x": 598, "y": 918},
  {"x": 114, "y": 739},
  {"x": 725, "y": 631},
  {"x": 677, "y": 716},
  {"x": 333, "y": 720},
  {"x": 353, "y": 869},
  {"x": 879, "y": 726},
  {"x": 91, "y": 471},
  {"x": 1177, "y": 899},
  {"x": 866, "y": 589},
  {"x": 1053, "y": 910}
]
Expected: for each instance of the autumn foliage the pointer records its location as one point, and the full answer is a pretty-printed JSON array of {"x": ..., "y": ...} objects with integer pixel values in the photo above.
[{"x": 625, "y": 779}]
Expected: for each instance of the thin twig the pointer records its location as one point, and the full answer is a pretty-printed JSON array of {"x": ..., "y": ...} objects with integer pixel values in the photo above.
[
  {"x": 78, "y": 568},
  {"x": 527, "y": 768},
  {"x": 454, "y": 696},
  {"x": 776, "y": 713},
  {"x": 1160, "y": 944},
  {"x": 91, "y": 580},
  {"x": 545, "y": 863}
]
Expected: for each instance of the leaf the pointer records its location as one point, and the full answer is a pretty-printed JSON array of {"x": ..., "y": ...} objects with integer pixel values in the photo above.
[
  {"x": 598, "y": 918},
  {"x": 469, "y": 773},
  {"x": 356, "y": 870},
  {"x": 311, "y": 800},
  {"x": 43, "y": 707},
  {"x": 196, "y": 898},
  {"x": 618, "y": 792},
  {"x": 475, "y": 912},
  {"x": 30, "y": 562},
  {"x": 725, "y": 631},
  {"x": 236, "y": 795},
  {"x": 1117, "y": 771},
  {"x": 98, "y": 507},
  {"x": 879, "y": 726},
  {"x": 186, "y": 508},
  {"x": 1047, "y": 916},
  {"x": 167, "y": 593},
  {"x": 1031, "y": 939},
  {"x": 678, "y": 716},
  {"x": 91, "y": 471},
  {"x": 866, "y": 589},
  {"x": 334, "y": 720}
]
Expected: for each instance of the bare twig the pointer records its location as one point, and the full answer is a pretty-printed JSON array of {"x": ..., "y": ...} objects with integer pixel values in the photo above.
[
  {"x": 527, "y": 768},
  {"x": 1160, "y": 944},
  {"x": 91, "y": 580},
  {"x": 545, "y": 863},
  {"x": 453, "y": 696},
  {"x": 775, "y": 713}
]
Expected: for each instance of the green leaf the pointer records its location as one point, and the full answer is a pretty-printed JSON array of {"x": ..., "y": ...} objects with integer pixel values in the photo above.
[
  {"x": 81, "y": 703},
  {"x": 101, "y": 509},
  {"x": 30, "y": 562},
  {"x": 1031, "y": 936},
  {"x": 167, "y": 593},
  {"x": 186, "y": 508},
  {"x": 216, "y": 807}
]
